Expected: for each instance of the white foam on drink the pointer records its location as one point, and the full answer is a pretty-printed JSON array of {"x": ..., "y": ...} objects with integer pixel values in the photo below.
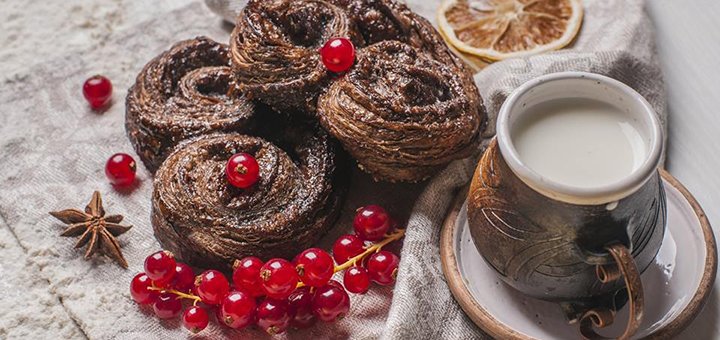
[{"x": 579, "y": 142}]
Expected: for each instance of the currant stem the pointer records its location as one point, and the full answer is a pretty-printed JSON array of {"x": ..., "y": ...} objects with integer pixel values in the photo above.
[
  {"x": 396, "y": 235},
  {"x": 179, "y": 294}
]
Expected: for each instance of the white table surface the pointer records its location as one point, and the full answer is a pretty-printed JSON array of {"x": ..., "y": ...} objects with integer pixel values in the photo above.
[
  {"x": 688, "y": 43},
  {"x": 688, "y": 36}
]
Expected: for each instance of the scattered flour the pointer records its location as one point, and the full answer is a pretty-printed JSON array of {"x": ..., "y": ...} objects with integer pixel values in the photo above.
[{"x": 32, "y": 32}]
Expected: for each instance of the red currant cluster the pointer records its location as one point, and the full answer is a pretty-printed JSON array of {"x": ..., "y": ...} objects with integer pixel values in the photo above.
[{"x": 276, "y": 294}]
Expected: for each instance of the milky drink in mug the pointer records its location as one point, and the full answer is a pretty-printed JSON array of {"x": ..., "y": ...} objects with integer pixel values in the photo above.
[
  {"x": 566, "y": 204},
  {"x": 579, "y": 142}
]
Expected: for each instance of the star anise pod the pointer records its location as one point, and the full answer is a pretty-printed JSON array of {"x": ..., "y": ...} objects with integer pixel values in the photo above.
[{"x": 95, "y": 229}]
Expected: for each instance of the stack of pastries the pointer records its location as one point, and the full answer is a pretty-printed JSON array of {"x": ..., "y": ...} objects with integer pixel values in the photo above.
[{"x": 403, "y": 111}]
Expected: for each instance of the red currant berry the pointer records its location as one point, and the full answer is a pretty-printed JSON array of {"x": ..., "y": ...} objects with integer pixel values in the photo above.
[
  {"x": 237, "y": 310},
  {"x": 371, "y": 222},
  {"x": 195, "y": 319},
  {"x": 279, "y": 278},
  {"x": 356, "y": 280},
  {"x": 300, "y": 304},
  {"x": 242, "y": 170},
  {"x": 139, "y": 289},
  {"x": 347, "y": 247},
  {"x": 330, "y": 302},
  {"x": 273, "y": 316},
  {"x": 162, "y": 284},
  {"x": 97, "y": 91},
  {"x": 212, "y": 287},
  {"x": 336, "y": 284},
  {"x": 160, "y": 267},
  {"x": 167, "y": 306},
  {"x": 246, "y": 275},
  {"x": 338, "y": 54},
  {"x": 120, "y": 169},
  {"x": 315, "y": 267},
  {"x": 184, "y": 277},
  {"x": 382, "y": 267}
]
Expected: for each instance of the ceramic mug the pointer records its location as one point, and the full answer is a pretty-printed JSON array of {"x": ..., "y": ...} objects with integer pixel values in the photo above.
[{"x": 557, "y": 242}]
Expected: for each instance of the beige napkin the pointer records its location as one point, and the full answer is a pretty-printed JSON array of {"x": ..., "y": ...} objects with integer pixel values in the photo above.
[{"x": 53, "y": 149}]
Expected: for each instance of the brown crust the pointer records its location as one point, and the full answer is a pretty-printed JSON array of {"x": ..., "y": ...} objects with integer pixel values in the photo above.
[
  {"x": 183, "y": 92},
  {"x": 381, "y": 20},
  {"x": 275, "y": 46},
  {"x": 401, "y": 114},
  {"x": 207, "y": 222}
]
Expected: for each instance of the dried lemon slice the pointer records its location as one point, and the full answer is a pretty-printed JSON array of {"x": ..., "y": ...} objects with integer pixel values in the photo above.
[
  {"x": 500, "y": 29},
  {"x": 476, "y": 63}
]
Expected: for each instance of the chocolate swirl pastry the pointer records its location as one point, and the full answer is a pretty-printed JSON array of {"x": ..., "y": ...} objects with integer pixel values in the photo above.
[
  {"x": 381, "y": 20},
  {"x": 184, "y": 92},
  {"x": 275, "y": 50},
  {"x": 401, "y": 114},
  {"x": 207, "y": 222}
]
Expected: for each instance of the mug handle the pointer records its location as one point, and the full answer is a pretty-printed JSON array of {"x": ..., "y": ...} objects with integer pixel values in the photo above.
[{"x": 624, "y": 265}]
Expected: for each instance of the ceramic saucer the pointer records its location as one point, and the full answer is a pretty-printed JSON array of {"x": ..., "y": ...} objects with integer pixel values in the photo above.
[{"x": 676, "y": 285}]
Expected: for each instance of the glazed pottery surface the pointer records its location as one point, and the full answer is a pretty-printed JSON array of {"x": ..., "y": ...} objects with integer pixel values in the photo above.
[
  {"x": 547, "y": 238},
  {"x": 548, "y": 249},
  {"x": 677, "y": 281}
]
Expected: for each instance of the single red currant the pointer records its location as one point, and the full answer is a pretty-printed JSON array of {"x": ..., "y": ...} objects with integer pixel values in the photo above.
[
  {"x": 212, "y": 287},
  {"x": 167, "y": 306},
  {"x": 338, "y": 54},
  {"x": 242, "y": 170},
  {"x": 273, "y": 316},
  {"x": 300, "y": 305},
  {"x": 162, "y": 284},
  {"x": 246, "y": 275},
  {"x": 336, "y": 284},
  {"x": 382, "y": 267},
  {"x": 139, "y": 289},
  {"x": 371, "y": 222},
  {"x": 184, "y": 277},
  {"x": 330, "y": 302},
  {"x": 120, "y": 169},
  {"x": 97, "y": 90},
  {"x": 195, "y": 319},
  {"x": 160, "y": 266},
  {"x": 356, "y": 280},
  {"x": 315, "y": 267},
  {"x": 279, "y": 278},
  {"x": 347, "y": 247},
  {"x": 237, "y": 310}
]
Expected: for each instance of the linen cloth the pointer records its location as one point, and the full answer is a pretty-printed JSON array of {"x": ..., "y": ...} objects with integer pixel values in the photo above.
[{"x": 53, "y": 149}]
